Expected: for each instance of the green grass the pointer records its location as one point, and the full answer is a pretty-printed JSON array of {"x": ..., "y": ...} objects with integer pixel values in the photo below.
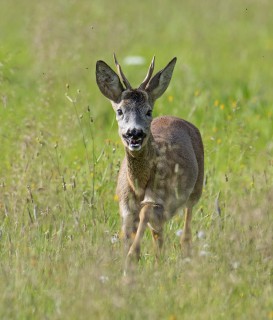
[{"x": 60, "y": 155}]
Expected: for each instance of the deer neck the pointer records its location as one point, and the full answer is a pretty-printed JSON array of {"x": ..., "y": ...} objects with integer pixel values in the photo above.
[{"x": 139, "y": 166}]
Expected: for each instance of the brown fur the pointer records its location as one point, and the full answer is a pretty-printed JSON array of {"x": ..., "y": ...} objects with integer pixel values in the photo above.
[{"x": 165, "y": 174}]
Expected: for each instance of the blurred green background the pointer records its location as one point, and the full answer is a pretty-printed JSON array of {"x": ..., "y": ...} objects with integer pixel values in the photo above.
[{"x": 60, "y": 252}]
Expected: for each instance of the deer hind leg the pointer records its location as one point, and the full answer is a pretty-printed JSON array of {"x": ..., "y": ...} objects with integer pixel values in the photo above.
[
  {"x": 158, "y": 242},
  {"x": 186, "y": 237}
]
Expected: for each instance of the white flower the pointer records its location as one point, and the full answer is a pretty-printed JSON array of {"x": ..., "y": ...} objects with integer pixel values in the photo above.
[
  {"x": 114, "y": 239},
  {"x": 187, "y": 260},
  {"x": 179, "y": 232},
  {"x": 204, "y": 253},
  {"x": 235, "y": 265},
  {"x": 103, "y": 279},
  {"x": 201, "y": 234}
]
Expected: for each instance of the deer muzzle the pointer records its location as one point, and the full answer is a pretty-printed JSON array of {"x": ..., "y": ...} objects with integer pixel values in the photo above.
[{"x": 134, "y": 138}]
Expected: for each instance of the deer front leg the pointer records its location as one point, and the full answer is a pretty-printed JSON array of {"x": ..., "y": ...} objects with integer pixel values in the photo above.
[
  {"x": 152, "y": 214},
  {"x": 144, "y": 217},
  {"x": 129, "y": 229},
  {"x": 129, "y": 211}
]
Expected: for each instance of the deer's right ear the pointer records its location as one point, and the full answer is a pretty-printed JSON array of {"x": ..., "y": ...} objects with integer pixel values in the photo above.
[{"x": 108, "y": 82}]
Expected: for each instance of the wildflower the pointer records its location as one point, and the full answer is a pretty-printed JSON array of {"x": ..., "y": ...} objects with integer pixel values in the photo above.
[
  {"x": 121, "y": 234},
  {"x": 201, "y": 234},
  {"x": 204, "y": 253},
  {"x": 114, "y": 239},
  {"x": 187, "y": 260},
  {"x": 179, "y": 232},
  {"x": 103, "y": 279},
  {"x": 222, "y": 106},
  {"x": 116, "y": 198},
  {"x": 216, "y": 103},
  {"x": 234, "y": 105},
  {"x": 235, "y": 265},
  {"x": 170, "y": 98}
]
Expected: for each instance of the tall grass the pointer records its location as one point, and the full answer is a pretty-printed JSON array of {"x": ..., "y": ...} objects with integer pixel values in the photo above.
[{"x": 60, "y": 250}]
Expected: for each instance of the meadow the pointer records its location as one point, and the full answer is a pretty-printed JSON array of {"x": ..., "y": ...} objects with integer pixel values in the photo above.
[{"x": 60, "y": 246}]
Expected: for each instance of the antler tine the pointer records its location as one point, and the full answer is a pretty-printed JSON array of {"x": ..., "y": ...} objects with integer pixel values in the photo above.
[
  {"x": 121, "y": 74},
  {"x": 149, "y": 75}
]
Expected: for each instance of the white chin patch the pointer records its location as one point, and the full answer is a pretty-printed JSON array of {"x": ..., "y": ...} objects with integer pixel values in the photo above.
[
  {"x": 134, "y": 147},
  {"x": 134, "y": 144}
]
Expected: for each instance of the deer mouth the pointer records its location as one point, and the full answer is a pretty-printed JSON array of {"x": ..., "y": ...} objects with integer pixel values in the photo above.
[{"x": 134, "y": 144}]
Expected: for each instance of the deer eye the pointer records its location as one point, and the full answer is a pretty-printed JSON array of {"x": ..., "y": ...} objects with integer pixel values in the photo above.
[
  {"x": 149, "y": 113},
  {"x": 119, "y": 112}
]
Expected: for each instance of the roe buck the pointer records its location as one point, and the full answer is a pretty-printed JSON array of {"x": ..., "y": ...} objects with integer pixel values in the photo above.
[{"x": 163, "y": 168}]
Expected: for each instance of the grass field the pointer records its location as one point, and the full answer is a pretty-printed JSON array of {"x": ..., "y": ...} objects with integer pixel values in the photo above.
[{"x": 60, "y": 252}]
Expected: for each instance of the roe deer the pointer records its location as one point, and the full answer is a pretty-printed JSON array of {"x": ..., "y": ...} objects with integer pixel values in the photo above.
[{"x": 163, "y": 168}]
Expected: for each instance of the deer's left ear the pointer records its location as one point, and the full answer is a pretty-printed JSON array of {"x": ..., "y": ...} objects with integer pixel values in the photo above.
[
  {"x": 108, "y": 82},
  {"x": 160, "y": 82}
]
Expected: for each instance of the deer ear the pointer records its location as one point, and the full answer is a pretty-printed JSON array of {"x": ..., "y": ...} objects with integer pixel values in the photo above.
[
  {"x": 108, "y": 82},
  {"x": 160, "y": 82}
]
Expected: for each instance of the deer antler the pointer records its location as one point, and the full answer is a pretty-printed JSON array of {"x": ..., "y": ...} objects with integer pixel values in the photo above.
[
  {"x": 121, "y": 74},
  {"x": 149, "y": 75}
]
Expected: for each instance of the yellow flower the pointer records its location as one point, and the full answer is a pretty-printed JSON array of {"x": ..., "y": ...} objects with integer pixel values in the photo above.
[
  {"x": 170, "y": 98},
  {"x": 116, "y": 198},
  {"x": 216, "y": 103},
  {"x": 222, "y": 106},
  {"x": 121, "y": 234},
  {"x": 219, "y": 141},
  {"x": 234, "y": 104}
]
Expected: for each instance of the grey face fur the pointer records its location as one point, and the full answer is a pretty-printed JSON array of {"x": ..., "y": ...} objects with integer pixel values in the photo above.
[
  {"x": 134, "y": 117},
  {"x": 133, "y": 107}
]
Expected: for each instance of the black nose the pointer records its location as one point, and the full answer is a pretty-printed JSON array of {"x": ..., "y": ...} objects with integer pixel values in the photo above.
[{"x": 135, "y": 133}]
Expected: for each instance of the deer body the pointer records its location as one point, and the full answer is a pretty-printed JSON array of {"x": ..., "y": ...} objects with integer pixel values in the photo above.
[{"x": 163, "y": 168}]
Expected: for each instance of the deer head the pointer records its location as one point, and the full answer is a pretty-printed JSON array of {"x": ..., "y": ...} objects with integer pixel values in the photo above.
[{"x": 133, "y": 107}]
